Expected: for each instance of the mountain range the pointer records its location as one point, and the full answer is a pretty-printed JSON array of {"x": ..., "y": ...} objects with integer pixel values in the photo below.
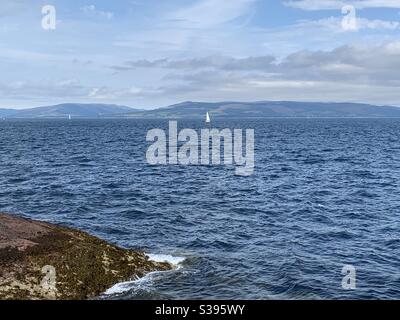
[
  {"x": 75, "y": 110},
  {"x": 197, "y": 110}
]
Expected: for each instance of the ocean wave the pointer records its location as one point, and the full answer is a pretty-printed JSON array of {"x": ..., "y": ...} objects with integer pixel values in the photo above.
[
  {"x": 173, "y": 260},
  {"x": 145, "y": 282},
  {"x": 126, "y": 286}
]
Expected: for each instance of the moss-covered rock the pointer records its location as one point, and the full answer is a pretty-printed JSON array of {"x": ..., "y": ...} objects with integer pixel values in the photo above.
[{"x": 43, "y": 261}]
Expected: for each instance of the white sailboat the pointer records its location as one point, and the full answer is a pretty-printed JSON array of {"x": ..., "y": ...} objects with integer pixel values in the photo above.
[
  {"x": 208, "y": 119},
  {"x": 69, "y": 117}
]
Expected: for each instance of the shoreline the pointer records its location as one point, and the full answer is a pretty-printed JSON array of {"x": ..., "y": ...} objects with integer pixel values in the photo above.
[{"x": 43, "y": 261}]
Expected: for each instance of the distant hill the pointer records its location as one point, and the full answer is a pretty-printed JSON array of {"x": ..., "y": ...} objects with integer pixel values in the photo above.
[
  {"x": 64, "y": 110},
  {"x": 7, "y": 112},
  {"x": 269, "y": 109},
  {"x": 220, "y": 110}
]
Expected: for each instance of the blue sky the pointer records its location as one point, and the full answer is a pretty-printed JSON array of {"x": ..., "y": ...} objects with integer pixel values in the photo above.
[{"x": 147, "y": 53}]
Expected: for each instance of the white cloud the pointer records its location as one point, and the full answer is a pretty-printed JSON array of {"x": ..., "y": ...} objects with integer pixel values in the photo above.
[
  {"x": 214, "y": 62},
  {"x": 363, "y": 23},
  {"x": 313, "y": 5},
  {"x": 334, "y": 24},
  {"x": 378, "y": 63},
  {"x": 347, "y": 73},
  {"x": 210, "y": 13},
  {"x": 93, "y": 11},
  {"x": 26, "y": 90},
  {"x": 287, "y": 84},
  {"x": 65, "y": 90},
  {"x": 110, "y": 94},
  {"x": 93, "y": 92},
  {"x": 207, "y": 25}
]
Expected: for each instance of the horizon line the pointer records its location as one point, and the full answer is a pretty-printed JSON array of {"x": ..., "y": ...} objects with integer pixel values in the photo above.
[{"x": 193, "y": 101}]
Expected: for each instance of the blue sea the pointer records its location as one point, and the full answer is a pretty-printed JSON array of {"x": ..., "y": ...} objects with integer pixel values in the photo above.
[{"x": 324, "y": 194}]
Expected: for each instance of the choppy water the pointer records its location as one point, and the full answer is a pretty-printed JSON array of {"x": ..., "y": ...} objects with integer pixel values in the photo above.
[{"x": 325, "y": 193}]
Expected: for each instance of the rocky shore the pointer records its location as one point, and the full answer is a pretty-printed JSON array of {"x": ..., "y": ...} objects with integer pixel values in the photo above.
[{"x": 39, "y": 260}]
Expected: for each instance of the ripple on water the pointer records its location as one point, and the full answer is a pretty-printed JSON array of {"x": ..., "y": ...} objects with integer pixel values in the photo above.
[{"x": 324, "y": 194}]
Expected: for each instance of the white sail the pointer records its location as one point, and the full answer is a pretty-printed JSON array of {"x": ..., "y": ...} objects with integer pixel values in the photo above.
[
  {"x": 208, "y": 119},
  {"x": 69, "y": 117}
]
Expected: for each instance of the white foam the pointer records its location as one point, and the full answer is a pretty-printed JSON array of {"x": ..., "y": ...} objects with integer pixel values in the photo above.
[
  {"x": 139, "y": 283},
  {"x": 175, "y": 261},
  {"x": 120, "y": 288},
  {"x": 123, "y": 287}
]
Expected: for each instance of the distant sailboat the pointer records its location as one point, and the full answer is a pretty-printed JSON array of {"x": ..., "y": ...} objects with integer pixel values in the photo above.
[
  {"x": 208, "y": 119},
  {"x": 69, "y": 117}
]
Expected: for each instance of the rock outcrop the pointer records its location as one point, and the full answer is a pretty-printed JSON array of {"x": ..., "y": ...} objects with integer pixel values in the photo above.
[{"x": 39, "y": 260}]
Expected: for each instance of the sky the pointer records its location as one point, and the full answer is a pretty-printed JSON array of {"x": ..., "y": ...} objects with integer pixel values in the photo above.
[{"x": 150, "y": 53}]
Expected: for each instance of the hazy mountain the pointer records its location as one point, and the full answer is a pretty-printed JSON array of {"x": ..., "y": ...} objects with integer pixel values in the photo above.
[
  {"x": 197, "y": 110},
  {"x": 7, "y": 112},
  {"x": 74, "y": 109},
  {"x": 267, "y": 109}
]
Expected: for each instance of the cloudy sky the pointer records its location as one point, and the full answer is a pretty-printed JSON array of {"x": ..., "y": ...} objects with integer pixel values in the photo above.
[{"x": 152, "y": 53}]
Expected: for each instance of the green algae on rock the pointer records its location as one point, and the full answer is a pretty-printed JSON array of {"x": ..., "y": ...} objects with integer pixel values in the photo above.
[{"x": 39, "y": 260}]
